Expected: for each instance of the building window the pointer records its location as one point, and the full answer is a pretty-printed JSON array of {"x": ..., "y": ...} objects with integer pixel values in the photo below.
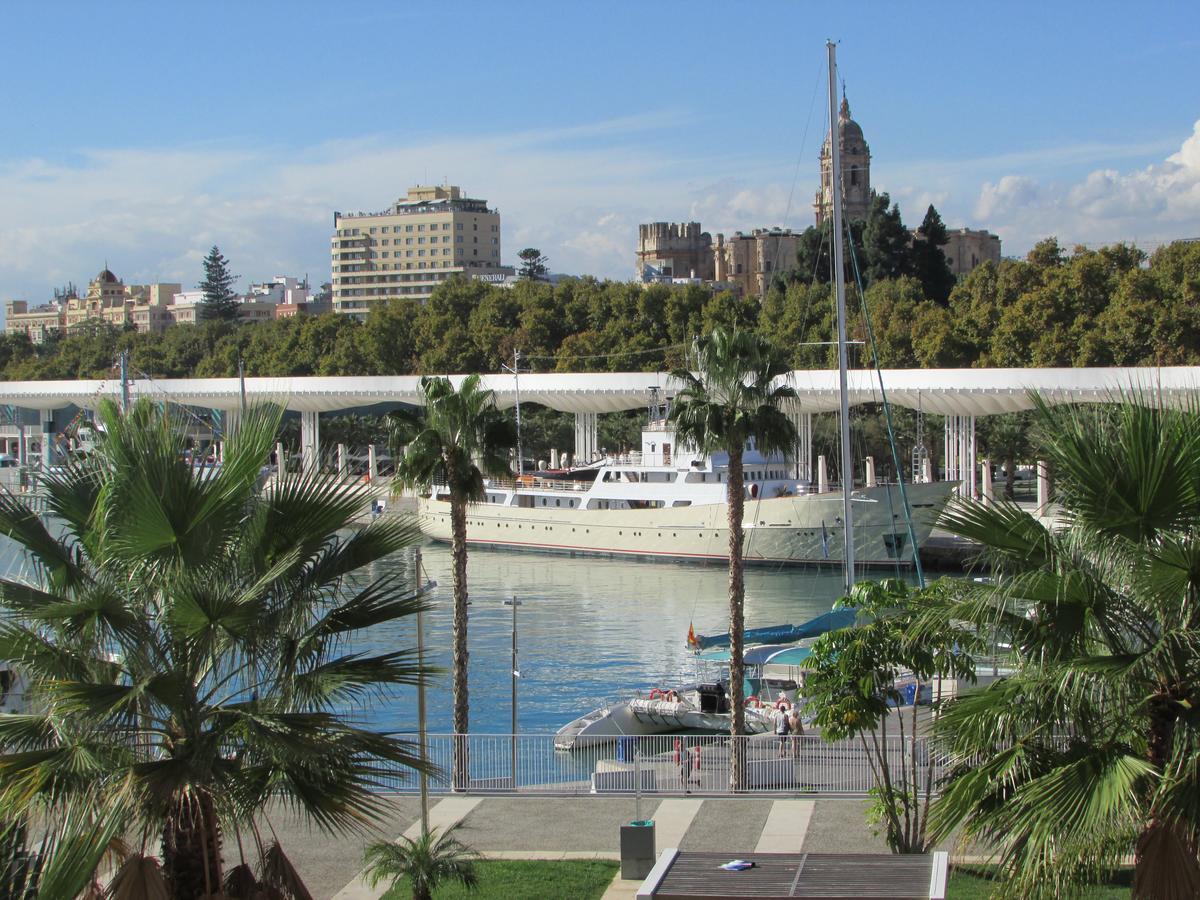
[
  {"x": 445, "y": 226},
  {"x": 420, "y": 228},
  {"x": 420, "y": 240},
  {"x": 459, "y": 226},
  {"x": 408, "y": 228},
  {"x": 408, "y": 240},
  {"x": 385, "y": 229}
]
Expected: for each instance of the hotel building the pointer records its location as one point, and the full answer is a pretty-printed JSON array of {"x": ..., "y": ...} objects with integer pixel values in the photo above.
[{"x": 413, "y": 246}]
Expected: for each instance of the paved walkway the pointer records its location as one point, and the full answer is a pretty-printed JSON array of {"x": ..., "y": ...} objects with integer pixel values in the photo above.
[{"x": 586, "y": 828}]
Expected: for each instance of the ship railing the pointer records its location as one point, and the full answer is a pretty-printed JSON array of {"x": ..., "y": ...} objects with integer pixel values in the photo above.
[
  {"x": 536, "y": 481},
  {"x": 528, "y": 764}
]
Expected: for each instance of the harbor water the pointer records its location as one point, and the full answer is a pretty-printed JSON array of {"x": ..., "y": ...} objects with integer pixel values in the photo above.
[{"x": 590, "y": 630}]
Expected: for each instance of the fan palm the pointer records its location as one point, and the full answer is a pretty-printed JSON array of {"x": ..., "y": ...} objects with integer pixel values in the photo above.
[
  {"x": 734, "y": 398},
  {"x": 461, "y": 438},
  {"x": 428, "y": 860},
  {"x": 1090, "y": 750},
  {"x": 188, "y": 641}
]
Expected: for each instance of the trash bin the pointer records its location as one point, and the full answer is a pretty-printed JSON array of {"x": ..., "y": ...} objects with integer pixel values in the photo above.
[{"x": 637, "y": 849}]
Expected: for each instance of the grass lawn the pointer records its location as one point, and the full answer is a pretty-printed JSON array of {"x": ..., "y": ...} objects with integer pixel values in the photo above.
[
  {"x": 524, "y": 879},
  {"x": 971, "y": 884}
]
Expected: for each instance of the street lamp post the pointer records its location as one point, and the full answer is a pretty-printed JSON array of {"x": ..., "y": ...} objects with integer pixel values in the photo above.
[
  {"x": 516, "y": 673},
  {"x": 424, "y": 777}
]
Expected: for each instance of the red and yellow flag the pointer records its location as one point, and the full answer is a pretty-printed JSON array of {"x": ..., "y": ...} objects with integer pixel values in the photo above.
[{"x": 691, "y": 638}]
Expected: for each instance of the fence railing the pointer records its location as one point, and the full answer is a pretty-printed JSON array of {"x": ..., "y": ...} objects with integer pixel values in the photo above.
[{"x": 660, "y": 764}]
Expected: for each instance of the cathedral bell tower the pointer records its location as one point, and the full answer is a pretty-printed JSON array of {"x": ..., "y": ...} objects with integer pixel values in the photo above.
[{"x": 856, "y": 171}]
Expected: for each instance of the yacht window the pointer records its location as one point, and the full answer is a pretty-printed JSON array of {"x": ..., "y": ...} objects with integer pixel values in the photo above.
[
  {"x": 682, "y": 503},
  {"x": 557, "y": 502}
]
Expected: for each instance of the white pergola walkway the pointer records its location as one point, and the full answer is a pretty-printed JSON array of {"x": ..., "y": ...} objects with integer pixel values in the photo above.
[{"x": 959, "y": 394}]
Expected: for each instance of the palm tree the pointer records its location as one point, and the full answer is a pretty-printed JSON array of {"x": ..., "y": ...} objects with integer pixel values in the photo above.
[
  {"x": 431, "y": 859},
  {"x": 1090, "y": 750},
  {"x": 461, "y": 438},
  {"x": 732, "y": 399},
  {"x": 188, "y": 638}
]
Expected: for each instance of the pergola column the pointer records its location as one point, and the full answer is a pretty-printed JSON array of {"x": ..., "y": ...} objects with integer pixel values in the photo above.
[
  {"x": 987, "y": 492},
  {"x": 310, "y": 440},
  {"x": 1043, "y": 488},
  {"x": 372, "y": 464},
  {"x": 803, "y": 450},
  {"x": 960, "y": 453},
  {"x": 586, "y": 436},
  {"x": 47, "y": 419},
  {"x": 341, "y": 460}
]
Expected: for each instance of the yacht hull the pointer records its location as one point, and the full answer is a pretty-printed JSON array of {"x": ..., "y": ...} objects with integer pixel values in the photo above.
[{"x": 783, "y": 530}]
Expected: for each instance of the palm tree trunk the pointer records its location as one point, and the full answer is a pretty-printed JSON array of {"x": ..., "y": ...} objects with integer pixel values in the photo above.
[
  {"x": 1010, "y": 477},
  {"x": 191, "y": 848},
  {"x": 458, "y": 527},
  {"x": 737, "y": 623}
]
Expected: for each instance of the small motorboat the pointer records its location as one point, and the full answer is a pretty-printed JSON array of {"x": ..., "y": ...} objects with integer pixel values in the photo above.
[{"x": 699, "y": 708}]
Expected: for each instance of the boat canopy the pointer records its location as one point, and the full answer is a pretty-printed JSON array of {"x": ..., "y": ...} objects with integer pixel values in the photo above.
[
  {"x": 785, "y": 634},
  {"x": 763, "y": 655}
]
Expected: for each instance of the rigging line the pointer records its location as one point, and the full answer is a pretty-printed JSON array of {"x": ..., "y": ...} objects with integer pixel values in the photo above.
[
  {"x": 167, "y": 398},
  {"x": 887, "y": 412},
  {"x": 787, "y": 211}
]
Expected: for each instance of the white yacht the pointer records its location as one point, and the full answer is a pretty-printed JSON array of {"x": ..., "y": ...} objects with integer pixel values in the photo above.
[{"x": 668, "y": 502}]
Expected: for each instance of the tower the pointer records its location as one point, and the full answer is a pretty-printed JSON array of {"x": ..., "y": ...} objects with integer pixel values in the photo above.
[{"x": 856, "y": 171}]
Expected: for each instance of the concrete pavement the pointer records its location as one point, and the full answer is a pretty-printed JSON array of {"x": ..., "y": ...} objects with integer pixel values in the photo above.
[{"x": 586, "y": 828}]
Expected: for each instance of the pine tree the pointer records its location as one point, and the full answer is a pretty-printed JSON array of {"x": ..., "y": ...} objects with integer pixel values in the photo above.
[
  {"x": 533, "y": 264},
  {"x": 886, "y": 242},
  {"x": 220, "y": 302},
  {"x": 929, "y": 262}
]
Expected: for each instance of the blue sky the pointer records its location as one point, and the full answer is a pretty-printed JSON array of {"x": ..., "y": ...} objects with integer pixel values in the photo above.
[{"x": 142, "y": 134}]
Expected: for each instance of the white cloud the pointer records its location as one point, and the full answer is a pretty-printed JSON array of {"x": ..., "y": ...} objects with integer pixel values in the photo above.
[
  {"x": 577, "y": 193},
  {"x": 1158, "y": 203}
]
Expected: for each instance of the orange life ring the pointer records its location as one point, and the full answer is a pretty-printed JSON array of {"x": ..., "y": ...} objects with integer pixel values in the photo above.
[
  {"x": 781, "y": 703},
  {"x": 671, "y": 697},
  {"x": 754, "y": 702},
  {"x": 655, "y": 693}
]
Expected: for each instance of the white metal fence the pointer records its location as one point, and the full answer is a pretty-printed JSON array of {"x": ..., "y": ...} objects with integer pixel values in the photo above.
[{"x": 661, "y": 764}]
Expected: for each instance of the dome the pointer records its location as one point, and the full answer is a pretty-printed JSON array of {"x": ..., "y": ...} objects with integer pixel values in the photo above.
[
  {"x": 849, "y": 131},
  {"x": 107, "y": 277}
]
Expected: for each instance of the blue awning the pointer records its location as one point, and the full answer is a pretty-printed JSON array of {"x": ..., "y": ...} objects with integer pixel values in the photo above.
[{"x": 787, "y": 634}]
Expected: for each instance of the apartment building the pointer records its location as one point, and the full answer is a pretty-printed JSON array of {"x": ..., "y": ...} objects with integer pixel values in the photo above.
[{"x": 408, "y": 249}]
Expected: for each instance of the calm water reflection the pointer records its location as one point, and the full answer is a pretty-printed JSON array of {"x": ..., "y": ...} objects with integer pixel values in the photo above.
[{"x": 589, "y": 629}]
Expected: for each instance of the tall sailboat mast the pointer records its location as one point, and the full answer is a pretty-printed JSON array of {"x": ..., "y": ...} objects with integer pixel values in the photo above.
[{"x": 839, "y": 287}]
